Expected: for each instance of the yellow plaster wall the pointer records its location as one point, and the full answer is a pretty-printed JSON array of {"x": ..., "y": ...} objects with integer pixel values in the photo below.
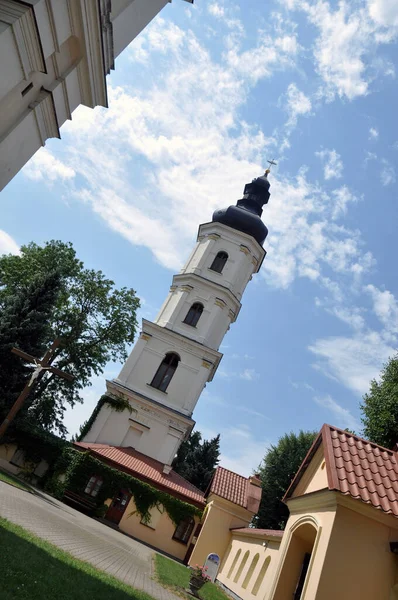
[
  {"x": 315, "y": 477},
  {"x": 322, "y": 519},
  {"x": 161, "y": 537},
  {"x": 215, "y": 536},
  {"x": 253, "y": 545},
  {"x": 358, "y": 562}
]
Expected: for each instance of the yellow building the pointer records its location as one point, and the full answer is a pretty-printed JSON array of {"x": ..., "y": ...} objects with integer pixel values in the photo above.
[{"x": 342, "y": 534}]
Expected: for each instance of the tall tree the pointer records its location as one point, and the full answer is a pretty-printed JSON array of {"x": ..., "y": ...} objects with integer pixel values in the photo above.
[
  {"x": 380, "y": 407},
  {"x": 196, "y": 460},
  {"x": 94, "y": 319},
  {"x": 277, "y": 470},
  {"x": 25, "y": 323}
]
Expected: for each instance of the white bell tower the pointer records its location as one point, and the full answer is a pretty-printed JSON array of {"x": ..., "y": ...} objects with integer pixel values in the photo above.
[{"x": 177, "y": 354}]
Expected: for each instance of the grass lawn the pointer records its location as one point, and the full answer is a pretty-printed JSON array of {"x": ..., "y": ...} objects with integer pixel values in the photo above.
[
  {"x": 174, "y": 575},
  {"x": 33, "y": 569},
  {"x": 8, "y": 478}
]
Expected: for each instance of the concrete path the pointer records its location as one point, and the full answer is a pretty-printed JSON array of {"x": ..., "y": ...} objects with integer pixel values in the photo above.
[{"x": 84, "y": 538}]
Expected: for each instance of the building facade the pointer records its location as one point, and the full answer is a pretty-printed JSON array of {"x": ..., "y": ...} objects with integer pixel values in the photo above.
[
  {"x": 55, "y": 55},
  {"x": 341, "y": 539}
]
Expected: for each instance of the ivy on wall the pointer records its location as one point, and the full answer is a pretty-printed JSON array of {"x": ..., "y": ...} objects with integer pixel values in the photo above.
[
  {"x": 117, "y": 404},
  {"x": 77, "y": 468}
]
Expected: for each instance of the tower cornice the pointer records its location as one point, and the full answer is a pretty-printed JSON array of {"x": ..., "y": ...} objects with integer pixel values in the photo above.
[{"x": 183, "y": 278}]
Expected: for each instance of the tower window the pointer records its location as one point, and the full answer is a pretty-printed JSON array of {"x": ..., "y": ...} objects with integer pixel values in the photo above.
[
  {"x": 219, "y": 262},
  {"x": 194, "y": 313},
  {"x": 165, "y": 372}
]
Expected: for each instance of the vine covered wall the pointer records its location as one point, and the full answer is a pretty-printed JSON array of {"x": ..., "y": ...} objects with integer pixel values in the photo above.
[
  {"x": 117, "y": 404},
  {"x": 77, "y": 468}
]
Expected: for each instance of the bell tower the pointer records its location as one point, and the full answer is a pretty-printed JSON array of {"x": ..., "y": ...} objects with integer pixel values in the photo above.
[{"x": 178, "y": 353}]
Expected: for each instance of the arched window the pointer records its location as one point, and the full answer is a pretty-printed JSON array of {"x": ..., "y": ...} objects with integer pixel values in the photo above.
[
  {"x": 234, "y": 563},
  {"x": 241, "y": 566},
  {"x": 250, "y": 572},
  {"x": 194, "y": 313},
  {"x": 93, "y": 485},
  {"x": 219, "y": 262},
  {"x": 165, "y": 372},
  {"x": 261, "y": 575},
  {"x": 184, "y": 530}
]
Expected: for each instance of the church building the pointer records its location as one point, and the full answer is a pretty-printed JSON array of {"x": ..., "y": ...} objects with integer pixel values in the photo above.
[
  {"x": 147, "y": 411},
  {"x": 55, "y": 55}
]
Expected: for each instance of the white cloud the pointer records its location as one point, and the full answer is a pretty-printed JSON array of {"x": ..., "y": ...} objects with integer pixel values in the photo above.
[
  {"x": 385, "y": 307},
  {"x": 332, "y": 163},
  {"x": 353, "y": 316},
  {"x": 7, "y": 244},
  {"x": 249, "y": 375},
  {"x": 387, "y": 173},
  {"x": 297, "y": 104},
  {"x": 341, "y": 197},
  {"x": 341, "y": 416},
  {"x": 353, "y": 361},
  {"x": 373, "y": 133},
  {"x": 348, "y": 34},
  {"x": 45, "y": 167},
  {"x": 384, "y": 12},
  {"x": 241, "y": 452}
]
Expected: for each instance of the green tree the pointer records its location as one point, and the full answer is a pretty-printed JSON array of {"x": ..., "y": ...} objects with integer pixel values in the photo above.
[
  {"x": 24, "y": 323},
  {"x": 279, "y": 466},
  {"x": 94, "y": 319},
  {"x": 196, "y": 460},
  {"x": 380, "y": 407}
]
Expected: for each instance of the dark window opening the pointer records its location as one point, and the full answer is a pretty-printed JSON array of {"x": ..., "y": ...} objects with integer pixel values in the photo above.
[
  {"x": 219, "y": 262},
  {"x": 194, "y": 314},
  {"x": 27, "y": 89},
  {"x": 303, "y": 574},
  {"x": 93, "y": 486},
  {"x": 184, "y": 530},
  {"x": 165, "y": 372}
]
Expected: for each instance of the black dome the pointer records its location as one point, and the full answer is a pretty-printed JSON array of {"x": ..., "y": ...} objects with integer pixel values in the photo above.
[{"x": 246, "y": 215}]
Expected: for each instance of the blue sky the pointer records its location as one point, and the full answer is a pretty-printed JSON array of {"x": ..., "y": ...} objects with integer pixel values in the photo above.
[{"x": 198, "y": 103}]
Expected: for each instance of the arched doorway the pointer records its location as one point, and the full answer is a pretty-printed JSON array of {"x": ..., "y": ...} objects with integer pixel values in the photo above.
[{"x": 295, "y": 567}]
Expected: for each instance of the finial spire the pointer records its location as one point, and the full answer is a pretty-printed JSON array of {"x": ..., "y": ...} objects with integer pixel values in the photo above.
[{"x": 271, "y": 163}]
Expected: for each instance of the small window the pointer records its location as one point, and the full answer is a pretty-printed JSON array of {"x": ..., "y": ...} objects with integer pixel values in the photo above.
[
  {"x": 184, "y": 530},
  {"x": 165, "y": 372},
  {"x": 194, "y": 314},
  {"x": 219, "y": 262},
  {"x": 93, "y": 486}
]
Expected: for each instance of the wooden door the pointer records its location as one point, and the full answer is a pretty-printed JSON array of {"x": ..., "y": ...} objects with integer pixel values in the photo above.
[{"x": 118, "y": 506}]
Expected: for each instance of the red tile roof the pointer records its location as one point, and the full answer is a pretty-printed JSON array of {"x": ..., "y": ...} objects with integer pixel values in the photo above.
[
  {"x": 356, "y": 468},
  {"x": 145, "y": 468},
  {"x": 258, "y": 532},
  {"x": 235, "y": 488}
]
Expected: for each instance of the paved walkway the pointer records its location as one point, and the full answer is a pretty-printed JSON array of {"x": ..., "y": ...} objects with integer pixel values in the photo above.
[{"x": 84, "y": 538}]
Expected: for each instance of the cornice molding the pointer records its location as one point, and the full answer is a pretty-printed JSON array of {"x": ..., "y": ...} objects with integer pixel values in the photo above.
[{"x": 22, "y": 20}]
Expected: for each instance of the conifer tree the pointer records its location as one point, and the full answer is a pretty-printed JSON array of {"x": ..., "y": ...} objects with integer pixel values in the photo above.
[
  {"x": 196, "y": 460},
  {"x": 24, "y": 323}
]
